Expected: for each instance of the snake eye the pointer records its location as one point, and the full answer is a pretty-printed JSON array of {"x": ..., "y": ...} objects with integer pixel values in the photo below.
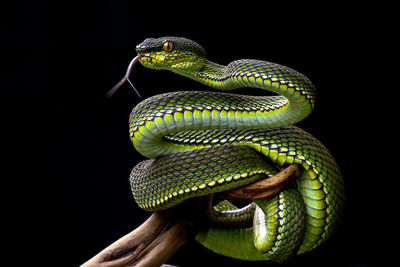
[{"x": 167, "y": 46}]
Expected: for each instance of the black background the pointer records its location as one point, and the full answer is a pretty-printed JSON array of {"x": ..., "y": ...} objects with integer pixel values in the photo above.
[{"x": 68, "y": 147}]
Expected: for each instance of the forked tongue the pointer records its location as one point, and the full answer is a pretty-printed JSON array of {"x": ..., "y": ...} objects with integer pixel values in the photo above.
[{"x": 125, "y": 78}]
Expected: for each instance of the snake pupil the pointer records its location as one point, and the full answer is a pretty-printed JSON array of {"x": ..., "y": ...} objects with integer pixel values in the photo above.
[{"x": 167, "y": 46}]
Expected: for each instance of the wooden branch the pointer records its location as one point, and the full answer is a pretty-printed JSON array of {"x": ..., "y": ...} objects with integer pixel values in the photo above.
[
  {"x": 264, "y": 188},
  {"x": 163, "y": 233},
  {"x": 151, "y": 244}
]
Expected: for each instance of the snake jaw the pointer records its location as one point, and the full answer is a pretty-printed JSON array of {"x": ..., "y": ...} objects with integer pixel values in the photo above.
[
  {"x": 151, "y": 61},
  {"x": 181, "y": 61}
]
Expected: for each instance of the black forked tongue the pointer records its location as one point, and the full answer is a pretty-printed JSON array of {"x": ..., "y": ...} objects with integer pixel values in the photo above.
[{"x": 125, "y": 78}]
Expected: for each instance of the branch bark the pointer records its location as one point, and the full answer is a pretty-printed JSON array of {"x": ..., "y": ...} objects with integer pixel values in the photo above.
[
  {"x": 264, "y": 188},
  {"x": 151, "y": 244},
  {"x": 163, "y": 233}
]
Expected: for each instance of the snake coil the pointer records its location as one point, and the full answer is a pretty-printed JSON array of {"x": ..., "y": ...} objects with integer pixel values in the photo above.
[{"x": 200, "y": 143}]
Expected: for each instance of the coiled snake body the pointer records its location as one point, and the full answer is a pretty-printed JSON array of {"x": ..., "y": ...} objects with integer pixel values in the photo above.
[{"x": 200, "y": 143}]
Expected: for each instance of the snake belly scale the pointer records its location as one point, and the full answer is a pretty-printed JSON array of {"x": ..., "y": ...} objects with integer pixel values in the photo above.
[{"x": 200, "y": 143}]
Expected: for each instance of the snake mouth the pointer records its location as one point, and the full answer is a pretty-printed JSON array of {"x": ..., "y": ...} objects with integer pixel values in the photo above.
[
  {"x": 147, "y": 57},
  {"x": 152, "y": 61}
]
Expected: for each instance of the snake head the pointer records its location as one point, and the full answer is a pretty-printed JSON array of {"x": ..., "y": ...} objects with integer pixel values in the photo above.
[{"x": 171, "y": 53}]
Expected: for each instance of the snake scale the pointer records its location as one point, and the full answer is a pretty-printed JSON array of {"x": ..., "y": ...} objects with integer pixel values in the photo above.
[{"x": 199, "y": 143}]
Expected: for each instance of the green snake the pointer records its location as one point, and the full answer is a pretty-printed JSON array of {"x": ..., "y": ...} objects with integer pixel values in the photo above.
[{"x": 200, "y": 143}]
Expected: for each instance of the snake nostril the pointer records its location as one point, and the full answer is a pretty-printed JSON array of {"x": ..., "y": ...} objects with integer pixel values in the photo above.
[{"x": 140, "y": 48}]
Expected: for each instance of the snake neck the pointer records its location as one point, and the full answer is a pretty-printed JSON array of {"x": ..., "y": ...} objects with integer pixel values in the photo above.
[
  {"x": 211, "y": 74},
  {"x": 292, "y": 87}
]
